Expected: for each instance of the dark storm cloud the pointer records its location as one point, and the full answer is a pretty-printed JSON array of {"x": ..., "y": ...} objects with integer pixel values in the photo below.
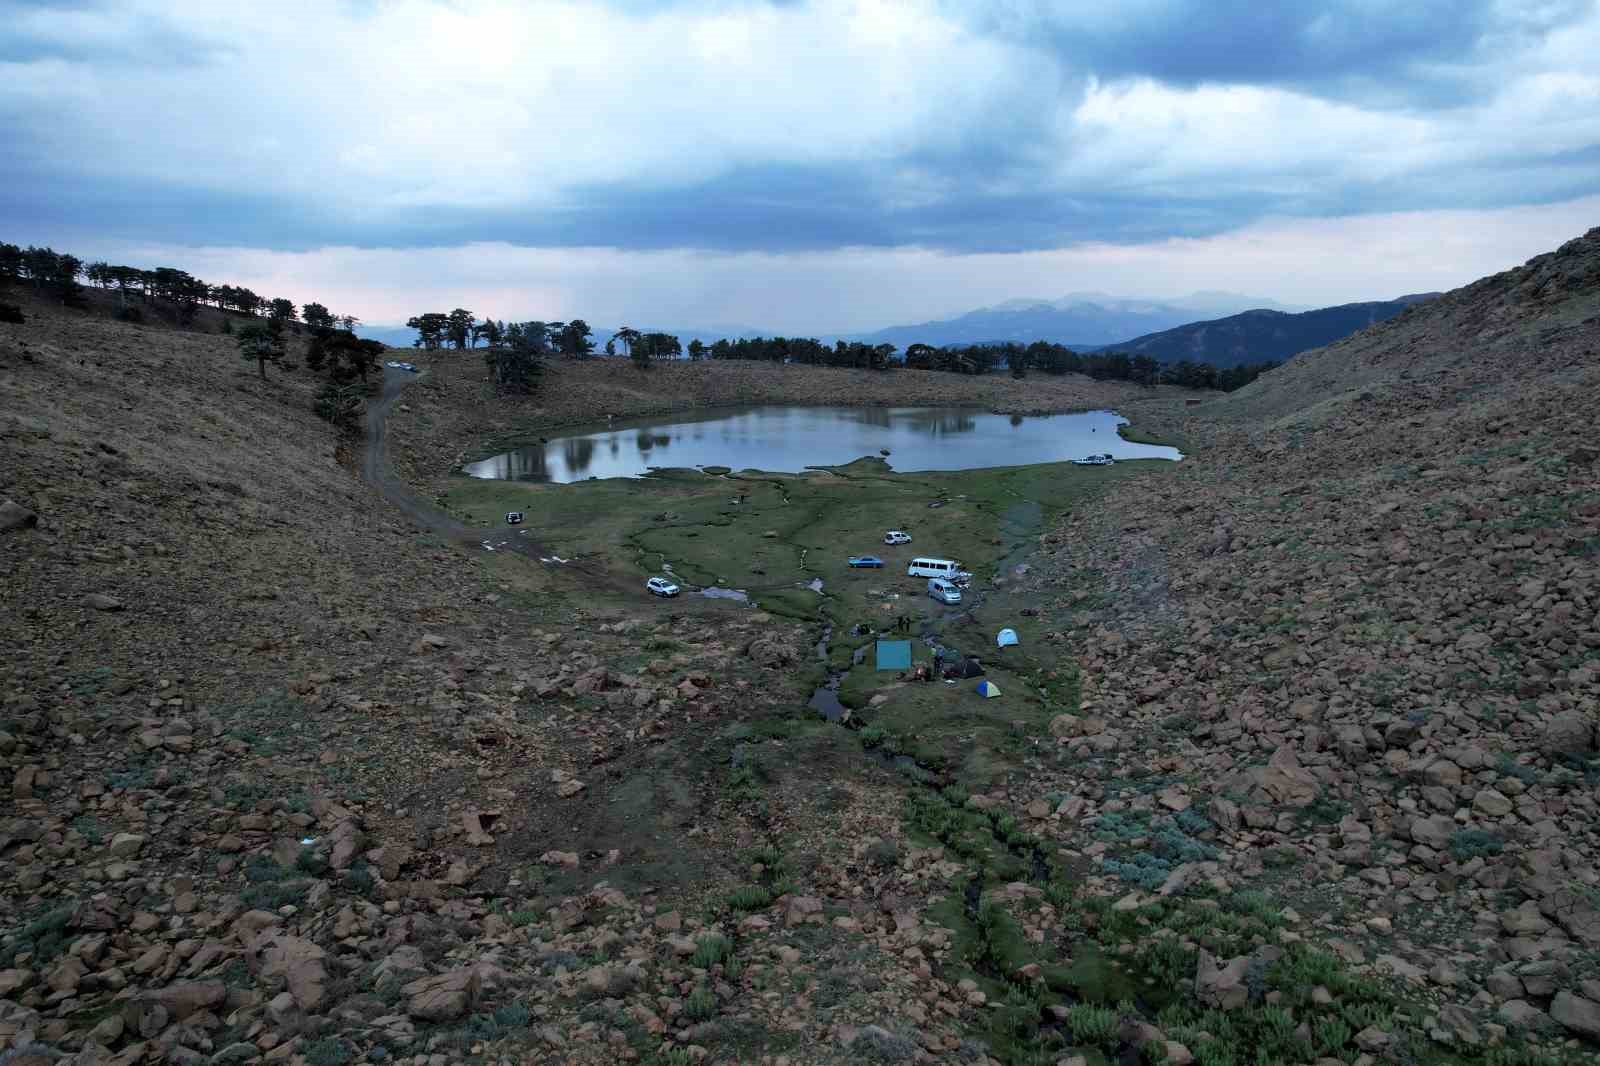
[{"x": 1431, "y": 52}]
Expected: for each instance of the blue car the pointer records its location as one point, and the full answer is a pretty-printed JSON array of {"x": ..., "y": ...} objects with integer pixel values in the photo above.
[{"x": 866, "y": 560}]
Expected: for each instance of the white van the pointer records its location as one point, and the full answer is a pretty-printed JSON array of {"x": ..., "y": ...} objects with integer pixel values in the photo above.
[
  {"x": 943, "y": 591},
  {"x": 932, "y": 568}
]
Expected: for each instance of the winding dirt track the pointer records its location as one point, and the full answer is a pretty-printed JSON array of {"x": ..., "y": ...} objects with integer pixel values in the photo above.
[{"x": 376, "y": 471}]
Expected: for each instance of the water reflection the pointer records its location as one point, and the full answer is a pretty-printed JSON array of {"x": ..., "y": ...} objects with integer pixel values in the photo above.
[{"x": 793, "y": 438}]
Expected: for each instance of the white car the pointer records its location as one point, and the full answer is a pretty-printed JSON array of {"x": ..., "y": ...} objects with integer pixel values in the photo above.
[
  {"x": 943, "y": 591},
  {"x": 895, "y": 536},
  {"x": 395, "y": 364},
  {"x": 661, "y": 586}
]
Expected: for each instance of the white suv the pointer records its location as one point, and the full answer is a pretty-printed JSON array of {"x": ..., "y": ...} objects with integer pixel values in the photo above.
[
  {"x": 661, "y": 586},
  {"x": 895, "y": 536}
]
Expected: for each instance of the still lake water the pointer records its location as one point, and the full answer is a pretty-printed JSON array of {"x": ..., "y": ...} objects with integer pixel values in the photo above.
[{"x": 793, "y": 438}]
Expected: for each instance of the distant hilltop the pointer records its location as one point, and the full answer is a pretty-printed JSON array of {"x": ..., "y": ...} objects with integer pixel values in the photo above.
[{"x": 1254, "y": 336}]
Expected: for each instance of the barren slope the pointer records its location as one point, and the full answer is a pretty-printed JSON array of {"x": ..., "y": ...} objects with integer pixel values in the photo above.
[{"x": 1359, "y": 631}]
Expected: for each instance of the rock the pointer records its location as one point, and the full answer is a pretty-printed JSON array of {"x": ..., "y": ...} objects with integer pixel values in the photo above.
[
  {"x": 179, "y": 1000},
  {"x": 1520, "y": 1014},
  {"x": 803, "y": 910},
  {"x": 444, "y": 996},
  {"x": 296, "y": 962},
  {"x": 109, "y": 1030},
  {"x": 1434, "y": 832},
  {"x": 1282, "y": 782},
  {"x": 1503, "y": 985},
  {"x": 101, "y": 602},
  {"x": 1574, "y": 910},
  {"x": 1372, "y": 1039},
  {"x": 1569, "y": 733},
  {"x": 1492, "y": 804},
  {"x": 472, "y": 825},
  {"x": 1524, "y": 920},
  {"x": 1459, "y": 1023},
  {"x": 15, "y": 516},
  {"x": 126, "y": 845},
  {"x": 12, "y": 981},
  {"x": 559, "y": 858},
  {"x": 1221, "y": 986}
]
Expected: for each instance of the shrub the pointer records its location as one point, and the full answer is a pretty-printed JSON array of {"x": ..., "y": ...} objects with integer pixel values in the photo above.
[
  {"x": 710, "y": 950},
  {"x": 1471, "y": 843},
  {"x": 45, "y": 936},
  {"x": 701, "y": 1004},
  {"x": 12, "y": 313},
  {"x": 749, "y": 898},
  {"x": 1090, "y": 1024},
  {"x": 1509, "y": 767},
  {"x": 883, "y": 853},
  {"x": 1143, "y": 869},
  {"x": 513, "y": 1016},
  {"x": 328, "y": 1052},
  {"x": 1171, "y": 842},
  {"x": 340, "y": 405},
  {"x": 131, "y": 314}
]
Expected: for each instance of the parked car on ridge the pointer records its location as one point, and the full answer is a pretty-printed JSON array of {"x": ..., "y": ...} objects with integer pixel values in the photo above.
[{"x": 661, "y": 587}]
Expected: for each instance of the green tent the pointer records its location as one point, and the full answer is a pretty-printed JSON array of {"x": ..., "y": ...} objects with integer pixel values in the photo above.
[{"x": 894, "y": 655}]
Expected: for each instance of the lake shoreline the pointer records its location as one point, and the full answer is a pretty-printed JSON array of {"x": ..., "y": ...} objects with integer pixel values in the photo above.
[
  {"x": 453, "y": 415},
  {"x": 794, "y": 438}
]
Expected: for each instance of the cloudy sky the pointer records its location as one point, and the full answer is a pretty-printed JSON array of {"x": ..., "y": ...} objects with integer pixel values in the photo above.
[{"x": 806, "y": 165}]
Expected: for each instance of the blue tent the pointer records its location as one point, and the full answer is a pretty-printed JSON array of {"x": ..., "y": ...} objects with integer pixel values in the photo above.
[
  {"x": 987, "y": 689},
  {"x": 1007, "y": 638},
  {"x": 894, "y": 655}
]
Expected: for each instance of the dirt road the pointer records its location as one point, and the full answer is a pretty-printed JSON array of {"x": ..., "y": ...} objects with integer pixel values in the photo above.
[{"x": 376, "y": 471}]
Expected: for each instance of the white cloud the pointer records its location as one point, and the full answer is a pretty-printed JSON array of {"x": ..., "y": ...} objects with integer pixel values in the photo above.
[{"x": 385, "y": 113}]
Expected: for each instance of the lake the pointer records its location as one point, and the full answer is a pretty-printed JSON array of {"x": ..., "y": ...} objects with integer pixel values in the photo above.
[{"x": 793, "y": 438}]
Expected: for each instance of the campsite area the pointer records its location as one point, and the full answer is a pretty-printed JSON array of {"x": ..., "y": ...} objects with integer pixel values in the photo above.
[{"x": 775, "y": 535}]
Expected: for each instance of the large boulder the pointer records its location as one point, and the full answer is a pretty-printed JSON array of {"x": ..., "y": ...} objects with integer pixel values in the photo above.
[
  {"x": 1577, "y": 1014},
  {"x": 443, "y": 996},
  {"x": 1433, "y": 832},
  {"x": 1283, "y": 782},
  {"x": 149, "y": 1012},
  {"x": 1569, "y": 733},
  {"x": 1222, "y": 985},
  {"x": 15, "y": 516},
  {"x": 298, "y": 964}
]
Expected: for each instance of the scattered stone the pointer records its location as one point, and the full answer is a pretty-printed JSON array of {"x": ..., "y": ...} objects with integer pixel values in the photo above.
[{"x": 15, "y": 516}]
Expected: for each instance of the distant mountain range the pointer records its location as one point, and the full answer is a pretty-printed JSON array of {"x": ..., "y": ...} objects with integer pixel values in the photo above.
[
  {"x": 1258, "y": 329},
  {"x": 1087, "y": 320},
  {"x": 1258, "y": 335}
]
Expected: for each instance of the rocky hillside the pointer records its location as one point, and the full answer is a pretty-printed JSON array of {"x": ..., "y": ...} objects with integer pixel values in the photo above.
[
  {"x": 1261, "y": 336},
  {"x": 1352, "y": 648},
  {"x": 291, "y": 780}
]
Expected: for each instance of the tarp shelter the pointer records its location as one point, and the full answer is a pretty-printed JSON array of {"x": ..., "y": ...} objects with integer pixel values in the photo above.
[
  {"x": 968, "y": 667},
  {"x": 894, "y": 655},
  {"x": 1007, "y": 638},
  {"x": 987, "y": 689}
]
